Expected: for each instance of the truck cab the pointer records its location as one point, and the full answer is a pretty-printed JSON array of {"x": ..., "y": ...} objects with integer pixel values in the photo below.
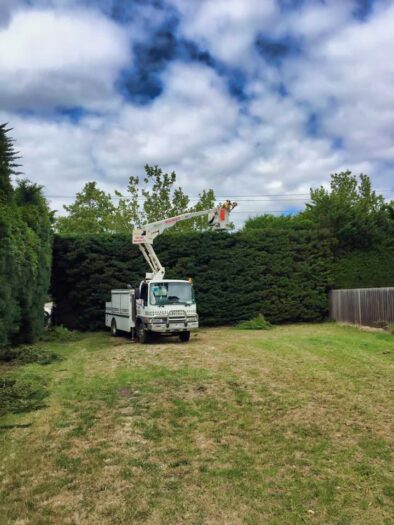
[{"x": 166, "y": 306}]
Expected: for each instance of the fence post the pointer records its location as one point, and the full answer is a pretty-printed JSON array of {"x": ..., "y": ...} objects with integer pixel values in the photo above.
[{"x": 359, "y": 306}]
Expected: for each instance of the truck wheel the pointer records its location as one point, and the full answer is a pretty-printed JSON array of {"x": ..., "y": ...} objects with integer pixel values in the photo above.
[
  {"x": 143, "y": 336},
  {"x": 114, "y": 330},
  {"x": 184, "y": 337}
]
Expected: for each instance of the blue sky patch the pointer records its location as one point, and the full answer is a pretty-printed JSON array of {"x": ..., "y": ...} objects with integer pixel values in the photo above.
[
  {"x": 313, "y": 124},
  {"x": 275, "y": 51},
  {"x": 363, "y": 8},
  {"x": 338, "y": 143}
]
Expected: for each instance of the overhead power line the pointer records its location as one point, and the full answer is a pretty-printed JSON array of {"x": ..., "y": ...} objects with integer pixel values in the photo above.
[
  {"x": 192, "y": 199},
  {"x": 266, "y": 197},
  {"x": 258, "y": 211}
]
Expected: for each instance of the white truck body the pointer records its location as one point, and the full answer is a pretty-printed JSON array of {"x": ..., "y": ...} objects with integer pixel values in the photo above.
[
  {"x": 157, "y": 313},
  {"x": 121, "y": 310}
]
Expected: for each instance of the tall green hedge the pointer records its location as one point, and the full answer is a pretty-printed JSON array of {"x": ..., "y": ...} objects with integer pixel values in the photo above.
[
  {"x": 25, "y": 263},
  {"x": 25, "y": 253},
  {"x": 283, "y": 274},
  {"x": 365, "y": 269}
]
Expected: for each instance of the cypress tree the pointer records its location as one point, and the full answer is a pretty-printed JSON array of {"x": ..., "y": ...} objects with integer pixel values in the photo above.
[
  {"x": 25, "y": 252},
  {"x": 8, "y": 306}
]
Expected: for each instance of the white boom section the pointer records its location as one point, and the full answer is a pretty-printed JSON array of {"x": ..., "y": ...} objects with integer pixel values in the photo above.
[
  {"x": 149, "y": 253},
  {"x": 144, "y": 236}
]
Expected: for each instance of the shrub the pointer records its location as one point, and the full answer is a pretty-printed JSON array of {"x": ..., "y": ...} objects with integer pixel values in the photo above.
[
  {"x": 60, "y": 334},
  {"x": 257, "y": 323}
]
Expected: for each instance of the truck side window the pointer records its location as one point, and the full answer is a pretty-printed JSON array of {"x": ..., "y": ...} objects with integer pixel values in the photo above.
[{"x": 144, "y": 293}]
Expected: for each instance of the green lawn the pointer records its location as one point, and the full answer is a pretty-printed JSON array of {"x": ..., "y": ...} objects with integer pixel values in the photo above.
[{"x": 287, "y": 426}]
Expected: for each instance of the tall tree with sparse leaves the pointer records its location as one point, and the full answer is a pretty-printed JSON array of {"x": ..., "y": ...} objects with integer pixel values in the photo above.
[
  {"x": 152, "y": 198},
  {"x": 92, "y": 211}
]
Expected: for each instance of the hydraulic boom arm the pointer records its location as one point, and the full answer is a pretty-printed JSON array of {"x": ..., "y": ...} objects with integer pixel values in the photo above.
[{"x": 144, "y": 236}]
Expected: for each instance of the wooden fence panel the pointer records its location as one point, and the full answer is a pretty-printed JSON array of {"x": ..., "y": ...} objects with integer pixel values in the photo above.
[{"x": 365, "y": 306}]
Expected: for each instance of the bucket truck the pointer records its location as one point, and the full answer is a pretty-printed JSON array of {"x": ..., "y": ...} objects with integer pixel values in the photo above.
[{"x": 163, "y": 306}]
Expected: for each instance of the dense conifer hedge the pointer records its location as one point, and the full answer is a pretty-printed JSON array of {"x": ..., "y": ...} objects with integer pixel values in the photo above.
[
  {"x": 365, "y": 268},
  {"x": 283, "y": 274},
  {"x": 25, "y": 261},
  {"x": 25, "y": 253}
]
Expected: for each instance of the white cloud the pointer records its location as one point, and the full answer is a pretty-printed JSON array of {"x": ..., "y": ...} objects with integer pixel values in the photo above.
[
  {"x": 349, "y": 78},
  {"x": 199, "y": 132},
  {"x": 256, "y": 146},
  {"x": 194, "y": 112},
  {"x": 315, "y": 20},
  {"x": 227, "y": 28},
  {"x": 50, "y": 58}
]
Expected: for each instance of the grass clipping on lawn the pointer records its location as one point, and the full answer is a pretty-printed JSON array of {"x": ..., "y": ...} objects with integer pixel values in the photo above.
[
  {"x": 23, "y": 355},
  {"x": 24, "y": 389},
  {"x": 257, "y": 323},
  {"x": 21, "y": 395}
]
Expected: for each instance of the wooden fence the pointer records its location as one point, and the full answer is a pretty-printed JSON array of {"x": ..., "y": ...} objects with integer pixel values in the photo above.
[{"x": 364, "y": 306}]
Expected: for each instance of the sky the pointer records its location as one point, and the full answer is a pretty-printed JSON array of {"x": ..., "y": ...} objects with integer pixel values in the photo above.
[{"x": 258, "y": 99}]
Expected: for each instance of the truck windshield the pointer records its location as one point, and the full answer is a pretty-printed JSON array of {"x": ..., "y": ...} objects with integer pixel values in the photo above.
[{"x": 171, "y": 293}]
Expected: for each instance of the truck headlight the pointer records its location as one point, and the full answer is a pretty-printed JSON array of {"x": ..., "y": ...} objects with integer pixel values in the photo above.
[
  {"x": 159, "y": 320},
  {"x": 192, "y": 318}
]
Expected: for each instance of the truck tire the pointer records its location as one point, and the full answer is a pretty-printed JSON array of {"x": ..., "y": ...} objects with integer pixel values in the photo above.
[
  {"x": 114, "y": 329},
  {"x": 142, "y": 334},
  {"x": 184, "y": 337}
]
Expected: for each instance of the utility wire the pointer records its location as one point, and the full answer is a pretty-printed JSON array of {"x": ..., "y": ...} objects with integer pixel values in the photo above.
[
  {"x": 248, "y": 198},
  {"x": 191, "y": 199},
  {"x": 259, "y": 211}
]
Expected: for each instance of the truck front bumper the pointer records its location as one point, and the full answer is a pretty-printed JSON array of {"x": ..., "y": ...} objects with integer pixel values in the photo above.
[{"x": 172, "y": 327}]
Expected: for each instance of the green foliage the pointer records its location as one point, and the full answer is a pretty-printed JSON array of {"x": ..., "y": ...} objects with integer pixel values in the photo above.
[
  {"x": 160, "y": 199},
  {"x": 92, "y": 211},
  {"x": 8, "y": 156},
  {"x": 25, "y": 254},
  {"x": 257, "y": 323},
  {"x": 22, "y": 355},
  {"x": 365, "y": 268},
  {"x": 360, "y": 223},
  {"x": 285, "y": 274},
  {"x": 152, "y": 198},
  {"x": 60, "y": 334},
  {"x": 353, "y": 213},
  {"x": 279, "y": 222}
]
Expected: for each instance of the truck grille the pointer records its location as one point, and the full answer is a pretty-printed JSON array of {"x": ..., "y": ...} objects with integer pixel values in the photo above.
[
  {"x": 177, "y": 316},
  {"x": 177, "y": 313}
]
